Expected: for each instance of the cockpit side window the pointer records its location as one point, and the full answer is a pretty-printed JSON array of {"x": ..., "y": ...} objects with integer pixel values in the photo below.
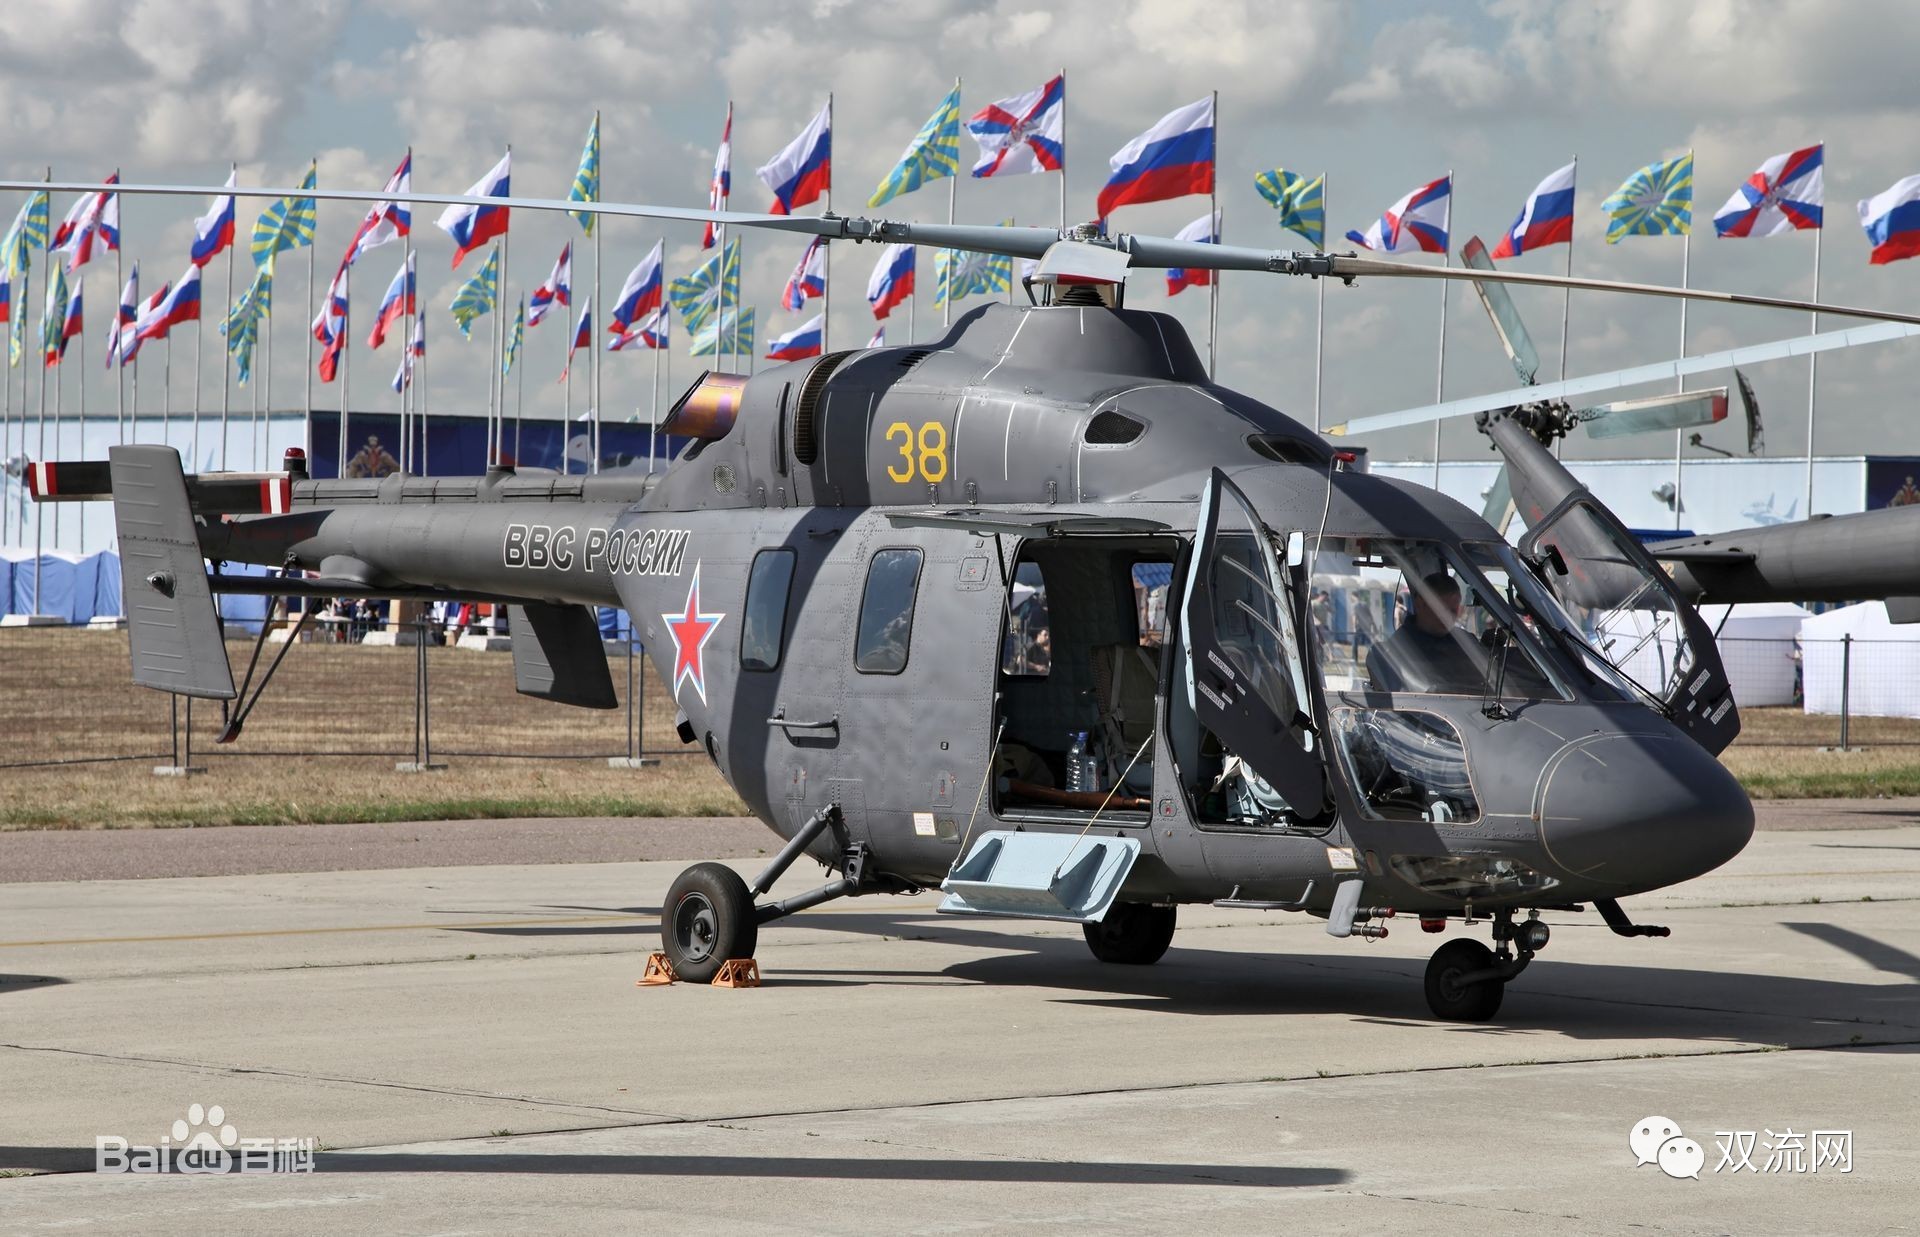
[{"x": 1417, "y": 618}]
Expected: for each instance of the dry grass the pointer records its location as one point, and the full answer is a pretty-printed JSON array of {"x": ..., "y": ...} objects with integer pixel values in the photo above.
[
  {"x": 71, "y": 690},
  {"x": 71, "y": 693}
]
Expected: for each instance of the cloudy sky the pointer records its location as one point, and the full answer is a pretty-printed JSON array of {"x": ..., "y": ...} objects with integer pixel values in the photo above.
[{"x": 1380, "y": 96}]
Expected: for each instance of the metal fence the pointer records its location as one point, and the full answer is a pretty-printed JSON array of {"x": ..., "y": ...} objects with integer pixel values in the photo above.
[{"x": 68, "y": 698}]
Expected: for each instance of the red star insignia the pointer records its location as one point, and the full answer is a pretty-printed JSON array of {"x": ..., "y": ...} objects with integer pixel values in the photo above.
[{"x": 691, "y": 629}]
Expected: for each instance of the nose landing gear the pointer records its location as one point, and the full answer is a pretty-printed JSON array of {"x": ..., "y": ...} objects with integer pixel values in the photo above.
[{"x": 1466, "y": 980}]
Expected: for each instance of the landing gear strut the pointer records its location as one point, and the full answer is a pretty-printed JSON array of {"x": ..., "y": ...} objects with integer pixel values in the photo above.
[
  {"x": 1466, "y": 980},
  {"x": 711, "y": 917}
]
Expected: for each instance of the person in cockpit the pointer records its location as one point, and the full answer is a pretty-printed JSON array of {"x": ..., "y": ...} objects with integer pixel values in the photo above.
[{"x": 1428, "y": 653}]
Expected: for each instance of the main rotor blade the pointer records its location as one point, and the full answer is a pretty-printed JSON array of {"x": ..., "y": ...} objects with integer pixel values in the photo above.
[
  {"x": 1656, "y": 412},
  {"x": 1141, "y": 251},
  {"x": 1506, "y": 317},
  {"x": 1756, "y": 442},
  {"x": 1659, "y": 371}
]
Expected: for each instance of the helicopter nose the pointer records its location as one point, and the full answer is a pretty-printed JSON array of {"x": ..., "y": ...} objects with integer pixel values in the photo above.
[{"x": 1644, "y": 811}]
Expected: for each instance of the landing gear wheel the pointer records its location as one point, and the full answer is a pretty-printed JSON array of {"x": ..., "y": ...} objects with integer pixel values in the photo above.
[
  {"x": 1457, "y": 1002},
  {"x": 1133, "y": 933},
  {"x": 708, "y": 918}
]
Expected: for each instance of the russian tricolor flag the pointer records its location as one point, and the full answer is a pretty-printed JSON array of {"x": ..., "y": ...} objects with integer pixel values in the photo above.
[
  {"x": 398, "y": 302},
  {"x": 146, "y": 321},
  {"x": 1892, "y": 222},
  {"x": 557, "y": 289},
  {"x": 1546, "y": 219},
  {"x": 69, "y": 328},
  {"x": 1417, "y": 222},
  {"x": 330, "y": 327},
  {"x": 804, "y": 170},
  {"x": 892, "y": 280},
  {"x": 640, "y": 295},
  {"x": 120, "y": 333},
  {"x": 809, "y": 278},
  {"x": 213, "y": 231},
  {"x": 1171, "y": 160},
  {"x": 652, "y": 332},
  {"x": 1204, "y": 231},
  {"x": 180, "y": 304},
  {"x": 582, "y": 336},
  {"x": 472, "y": 226},
  {"x": 801, "y": 342},
  {"x": 6, "y": 297}
]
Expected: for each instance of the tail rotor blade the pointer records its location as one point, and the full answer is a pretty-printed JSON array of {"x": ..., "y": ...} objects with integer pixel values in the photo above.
[{"x": 1506, "y": 318}]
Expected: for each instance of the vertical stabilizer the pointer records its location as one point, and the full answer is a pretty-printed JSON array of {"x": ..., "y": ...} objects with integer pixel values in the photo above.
[{"x": 172, "y": 627}]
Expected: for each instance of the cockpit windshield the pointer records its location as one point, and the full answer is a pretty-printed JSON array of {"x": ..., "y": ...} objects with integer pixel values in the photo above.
[{"x": 1409, "y": 617}]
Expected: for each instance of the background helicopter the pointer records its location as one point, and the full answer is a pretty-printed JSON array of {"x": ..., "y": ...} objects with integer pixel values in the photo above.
[{"x": 823, "y": 579}]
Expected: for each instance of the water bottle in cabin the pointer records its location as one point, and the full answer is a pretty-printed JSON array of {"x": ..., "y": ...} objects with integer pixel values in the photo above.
[{"x": 1077, "y": 762}]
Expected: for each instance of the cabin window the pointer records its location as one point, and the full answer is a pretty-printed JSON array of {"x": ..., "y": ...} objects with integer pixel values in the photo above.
[
  {"x": 1027, "y": 647},
  {"x": 886, "y": 612},
  {"x": 764, "y": 629}
]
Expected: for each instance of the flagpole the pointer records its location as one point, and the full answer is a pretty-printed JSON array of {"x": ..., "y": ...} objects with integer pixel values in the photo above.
[
  {"x": 199, "y": 354},
  {"x": 1566, "y": 302},
  {"x": 120, "y": 387},
  {"x": 306, "y": 408},
  {"x": 59, "y": 383},
  {"x": 1320, "y": 310},
  {"x": 166, "y": 391},
  {"x": 593, "y": 348},
  {"x": 1063, "y": 151},
  {"x": 1440, "y": 380},
  {"x": 1813, "y": 359},
  {"x": 520, "y": 395},
  {"x": 653, "y": 425},
  {"x": 1213, "y": 222},
  {"x": 500, "y": 333},
  {"x": 566, "y": 374},
  {"x": 346, "y": 294},
  {"x": 421, "y": 408},
  {"x": 726, "y": 358},
  {"x": 265, "y": 394},
  {"x": 1680, "y": 384},
  {"x": 226, "y": 366},
  {"x": 826, "y": 255},
  {"x": 407, "y": 310},
  {"x": 40, "y": 452},
  {"x": 6, "y": 436},
  {"x": 346, "y": 344},
  {"x": 946, "y": 299}
]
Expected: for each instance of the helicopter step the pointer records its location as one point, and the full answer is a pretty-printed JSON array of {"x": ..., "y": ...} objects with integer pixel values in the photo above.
[{"x": 1040, "y": 876}]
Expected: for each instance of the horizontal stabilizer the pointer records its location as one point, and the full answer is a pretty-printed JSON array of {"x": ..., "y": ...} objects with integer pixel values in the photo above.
[
  {"x": 558, "y": 655},
  {"x": 173, "y": 630},
  {"x": 226, "y": 493},
  {"x": 1903, "y": 609}
]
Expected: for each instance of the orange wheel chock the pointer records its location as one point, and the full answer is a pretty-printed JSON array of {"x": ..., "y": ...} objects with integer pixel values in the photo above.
[
  {"x": 738, "y": 973},
  {"x": 659, "y": 971}
]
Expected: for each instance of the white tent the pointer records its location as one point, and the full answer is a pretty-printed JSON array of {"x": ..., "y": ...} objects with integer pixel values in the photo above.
[
  {"x": 1881, "y": 663},
  {"x": 1756, "y": 643}
]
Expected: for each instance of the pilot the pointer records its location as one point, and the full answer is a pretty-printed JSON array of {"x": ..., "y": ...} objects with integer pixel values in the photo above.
[{"x": 1427, "y": 653}]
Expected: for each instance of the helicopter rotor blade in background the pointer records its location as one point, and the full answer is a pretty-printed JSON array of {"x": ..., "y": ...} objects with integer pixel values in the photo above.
[
  {"x": 1756, "y": 441},
  {"x": 1637, "y": 375},
  {"x": 1498, "y": 509},
  {"x": 1018, "y": 242},
  {"x": 1655, "y": 412},
  {"x": 1498, "y": 303}
]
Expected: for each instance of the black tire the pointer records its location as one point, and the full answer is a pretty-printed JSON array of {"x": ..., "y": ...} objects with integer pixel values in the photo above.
[
  {"x": 707, "y": 920},
  {"x": 1457, "y": 1002},
  {"x": 1132, "y": 934}
]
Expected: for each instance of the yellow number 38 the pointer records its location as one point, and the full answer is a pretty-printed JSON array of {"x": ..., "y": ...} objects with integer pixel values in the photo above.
[{"x": 922, "y": 455}]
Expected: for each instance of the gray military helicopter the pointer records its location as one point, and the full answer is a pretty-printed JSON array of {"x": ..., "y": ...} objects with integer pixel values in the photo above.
[{"x": 1271, "y": 681}]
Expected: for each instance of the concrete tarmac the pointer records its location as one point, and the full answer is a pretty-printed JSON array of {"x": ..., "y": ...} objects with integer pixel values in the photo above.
[{"x": 468, "y": 1045}]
